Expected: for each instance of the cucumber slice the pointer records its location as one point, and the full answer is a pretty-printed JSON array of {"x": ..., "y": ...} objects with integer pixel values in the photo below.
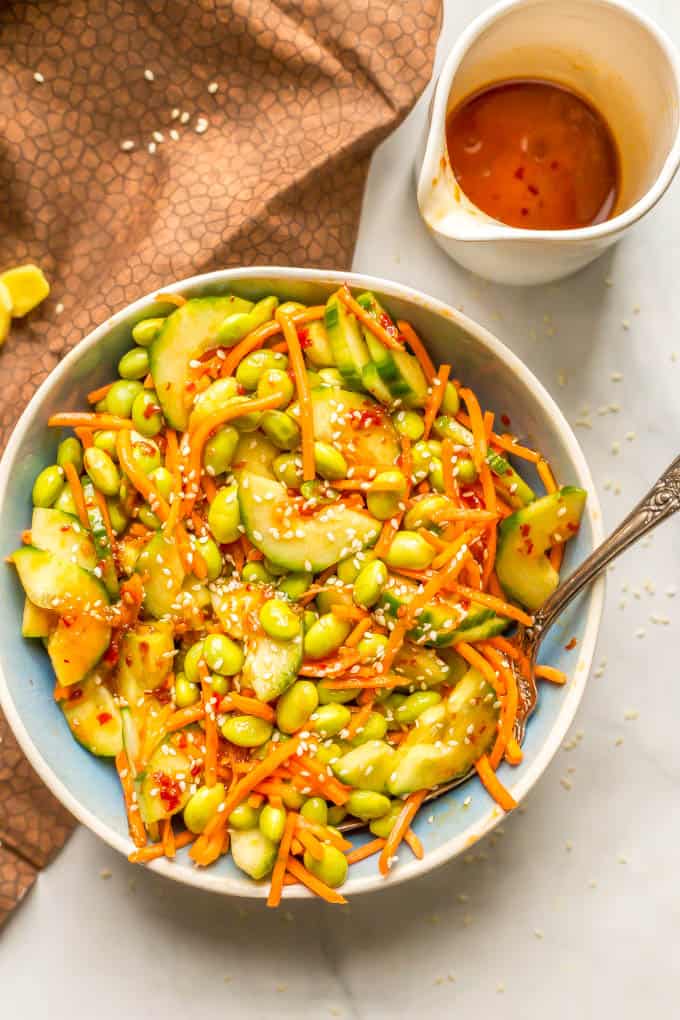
[
  {"x": 366, "y": 767},
  {"x": 350, "y": 352},
  {"x": 421, "y": 667},
  {"x": 256, "y": 453},
  {"x": 56, "y": 584},
  {"x": 252, "y": 852},
  {"x": 481, "y": 631},
  {"x": 523, "y": 569},
  {"x": 441, "y": 623},
  {"x": 237, "y": 606},
  {"x": 310, "y": 542},
  {"x": 94, "y": 718},
  {"x": 102, "y": 546},
  {"x": 448, "y": 738},
  {"x": 146, "y": 657},
  {"x": 161, "y": 561},
  {"x": 187, "y": 333},
  {"x": 381, "y": 356},
  {"x": 356, "y": 426},
  {"x": 75, "y": 647},
  {"x": 36, "y": 622},
  {"x": 166, "y": 785},
  {"x": 375, "y": 385},
  {"x": 63, "y": 535},
  {"x": 510, "y": 486},
  {"x": 271, "y": 666},
  {"x": 131, "y": 741},
  {"x": 316, "y": 345}
]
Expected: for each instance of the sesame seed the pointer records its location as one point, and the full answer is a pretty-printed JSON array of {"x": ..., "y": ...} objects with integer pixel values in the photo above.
[
  {"x": 128, "y": 145},
  {"x": 213, "y": 87},
  {"x": 175, "y": 113},
  {"x": 201, "y": 125},
  {"x": 149, "y": 75},
  {"x": 151, "y": 147},
  {"x": 157, "y": 137},
  {"x": 38, "y": 77}
]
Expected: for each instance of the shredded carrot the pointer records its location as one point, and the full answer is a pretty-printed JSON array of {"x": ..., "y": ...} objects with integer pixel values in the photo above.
[
  {"x": 504, "y": 441},
  {"x": 355, "y": 635},
  {"x": 61, "y": 693},
  {"x": 148, "y": 382},
  {"x": 437, "y": 543},
  {"x": 234, "y": 702},
  {"x": 367, "y": 850},
  {"x": 210, "y": 723},
  {"x": 511, "y": 651},
  {"x": 399, "y": 829},
  {"x": 359, "y": 720},
  {"x": 418, "y": 348},
  {"x": 138, "y": 478},
  {"x": 556, "y": 555},
  {"x": 104, "y": 511},
  {"x": 546, "y": 475},
  {"x": 456, "y": 552},
  {"x": 495, "y": 587},
  {"x": 509, "y": 705},
  {"x": 453, "y": 515},
  {"x": 310, "y": 843},
  {"x": 324, "y": 833},
  {"x": 153, "y": 853},
  {"x": 490, "y": 501},
  {"x": 282, "y": 858},
  {"x": 185, "y": 717},
  {"x": 501, "y": 607},
  {"x": 255, "y": 800},
  {"x": 435, "y": 397},
  {"x": 335, "y": 791},
  {"x": 369, "y": 321},
  {"x": 209, "y": 487},
  {"x": 94, "y": 396},
  {"x": 306, "y": 418},
  {"x": 168, "y": 839},
  {"x": 478, "y": 662},
  {"x": 73, "y": 480},
  {"x": 135, "y": 823},
  {"x": 555, "y": 676},
  {"x": 252, "y": 342},
  {"x": 479, "y": 448},
  {"x": 89, "y": 420},
  {"x": 313, "y": 883},
  {"x": 494, "y": 787},
  {"x": 414, "y": 843},
  {"x": 347, "y": 613},
  {"x": 387, "y": 532},
  {"x": 406, "y": 462},
  {"x": 394, "y": 643},
  {"x": 513, "y": 752}
]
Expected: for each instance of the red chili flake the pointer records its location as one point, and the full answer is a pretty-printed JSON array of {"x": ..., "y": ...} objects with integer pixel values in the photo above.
[
  {"x": 168, "y": 790},
  {"x": 112, "y": 653},
  {"x": 304, "y": 338},
  {"x": 104, "y": 717},
  {"x": 388, "y": 325},
  {"x": 371, "y": 415},
  {"x": 66, "y": 527},
  {"x": 572, "y": 644},
  {"x": 75, "y": 695},
  {"x": 554, "y": 165},
  {"x": 506, "y": 420},
  {"x": 525, "y": 530},
  {"x": 150, "y": 410},
  {"x": 195, "y": 768},
  {"x": 144, "y": 647},
  {"x": 182, "y": 740},
  {"x": 519, "y": 173},
  {"x": 532, "y": 189},
  {"x": 524, "y": 211},
  {"x": 572, "y": 527},
  {"x": 128, "y": 660},
  {"x": 240, "y": 389}
]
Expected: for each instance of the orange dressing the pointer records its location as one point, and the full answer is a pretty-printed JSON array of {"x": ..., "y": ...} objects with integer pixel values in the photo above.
[{"x": 533, "y": 154}]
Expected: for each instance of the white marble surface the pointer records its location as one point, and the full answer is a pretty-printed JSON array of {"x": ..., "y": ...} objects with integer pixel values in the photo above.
[{"x": 575, "y": 909}]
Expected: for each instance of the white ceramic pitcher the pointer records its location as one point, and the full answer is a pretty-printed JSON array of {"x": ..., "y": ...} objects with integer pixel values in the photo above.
[{"x": 602, "y": 49}]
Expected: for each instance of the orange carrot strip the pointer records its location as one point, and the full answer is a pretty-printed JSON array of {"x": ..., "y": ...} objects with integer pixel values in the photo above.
[
  {"x": 355, "y": 635},
  {"x": 546, "y": 476},
  {"x": 358, "y": 720},
  {"x": 489, "y": 492},
  {"x": 138, "y": 478},
  {"x": 367, "y": 320},
  {"x": 252, "y": 342},
  {"x": 61, "y": 693},
  {"x": 324, "y": 833},
  {"x": 153, "y": 853},
  {"x": 513, "y": 752},
  {"x": 504, "y": 441},
  {"x": 209, "y": 487},
  {"x": 135, "y": 823},
  {"x": 310, "y": 843},
  {"x": 509, "y": 706},
  {"x": 255, "y": 800},
  {"x": 367, "y": 850},
  {"x": 77, "y": 493},
  {"x": 306, "y": 418},
  {"x": 436, "y": 395},
  {"x": 556, "y": 555},
  {"x": 168, "y": 840},
  {"x": 104, "y": 510},
  {"x": 94, "y": 396},
  {"x": 479, "y": 448},
  {"x": 494, "y": 587},
  {"x": 555, "y": 676},
  {"x": 348, "y": 613},
  {"x": 394, "y": 643},
  {"x": 313, "y": 883},
  {"x": 399, "y": 829},
  {"x": 406, "y": 462},
  {"x": 88, "y": 420},
  {"x": 414, "y": 843},
  {"x": 234, "y": 702},
  {"x": 184, "y": 717},
  {"x": 477, "y": 661},
  {"x": 455, "y": 551},
  {"x": 416, "y": 345},
  {"x": 334, "y": 789},
  {"x": 282, "y": 858},
  {"x": 501, "y": 607},
  {"x": 388, "y": 531},
  {"x": 493, "y": 785},
  {"x": 210, "y": 723}
]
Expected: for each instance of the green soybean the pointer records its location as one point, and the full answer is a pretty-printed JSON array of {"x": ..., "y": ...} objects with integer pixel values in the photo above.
[
  {"x": 246, "y": 730},
  {"x": 409, "y": 550},
  {"x": 48, "y": 485},
  {"x": 163, "y": 481},
  {"x": 70, "y": 451},
  {"x": 467, "y": 472},
  {"x": 372, "y": 646},
  {"x": 255, "y": 571},
  {"x": 102, "y": 471},
  {"x": 222, "y": 655},
  {"x": 451, "y": 401},
  {"x": 424, "y": 510},
  {"x": 272, "y": 381},
  {"x": 117, "y": 516},
  {"x": 291, "y": 797},
  {"x": 384, "y": 504},
  {"x": 253, "y": 365},
  {"x": 202, "y": 805},
  {"x": 106, "y": 441},
  {"x": 148, "y": 518},
  {"x": 145, "y": 332},
  {"x": 213, "y": 399},
  {"x": 146, "y": 455},
  {"x": 186, "y": 693},
  {"x": 348, "y": 569},
  {"x": 121, "y": 397},
  {"x": 336, "y": 813},
  {"x": 382, "y": 827},
  {"x": 328, "y": 720},
  {"x": 281, "y": 429},
  {"x": 278, "y": 620},
  {"x": 315, "y": 810},
  {"x": 134, "y": 364},
  {"x": 272, "y": 822},
  {"x": 330, "y": 463},
  {"x": 224, "y": 517},
  {"x": 295, "y": 585},
  {"x": 288, "y": 470},
  {"x": 421, "y": 457},
  {"x": 211, "y": 556},
  {"x": 329, "y": 696},
  {"x": 244, "y": 817},
  {"x": 325, "y": 636},
  {"x": 296, "y": 705},
  {"x": 274, "y": 569},
  {"x": 331, "y": 869},
  {"x": 414, "y": 705},
  {"x": 329, "y": 751},
  {"x": 436, "y": 475},
  {"x": 409, "y": 424},
  {"x": 367, "y": 805},
  {"x": 374, "y": 728},
  {"x": 370, "y": 582},
  {"x": 218, "y": 452},
  {"x": 191, "y": 661},
  {"x": 146, "y": 413},
  {"x": 308, "y": 618}
]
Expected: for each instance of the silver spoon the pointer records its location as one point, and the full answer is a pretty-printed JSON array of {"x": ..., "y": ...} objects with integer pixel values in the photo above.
[{"x": 662, "y": 501}]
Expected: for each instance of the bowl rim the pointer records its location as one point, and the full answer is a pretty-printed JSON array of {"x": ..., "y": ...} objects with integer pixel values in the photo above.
[
  {"x": 204, "y": 878},
  {"x": 489, "y": 230}
]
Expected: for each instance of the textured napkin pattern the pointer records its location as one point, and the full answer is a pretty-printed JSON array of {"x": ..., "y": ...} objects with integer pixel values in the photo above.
[{"x": 142, "y": 141}]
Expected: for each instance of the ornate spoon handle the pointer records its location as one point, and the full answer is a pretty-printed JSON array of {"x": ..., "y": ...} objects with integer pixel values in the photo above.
[{"x": 662, "y": 500}]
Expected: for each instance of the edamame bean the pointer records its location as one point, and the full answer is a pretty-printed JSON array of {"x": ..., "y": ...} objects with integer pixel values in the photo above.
[
  {"x": 348, "y": 569},
  {"x": 191, "y": 661},
  {"x": 384, "y": 504},
  {"x": 328, "y": 720},
  {"x": 410, "y": 550},
  {"x": 309, "y": 617},
  {"x": 247, "y": 421},
  {"x": 370, "y": 581},
  {"x": 336, "y": 813},
  {"x": 253, "y": 365},
  {"x": 283, "y": 430},
  {"x": 421, "y": 457},
  {"x": 436, "y": 475},
  {"x": 329, "y": 751},
  {"x": 273, "y": 380},
  {"x": 106, "y": 441},
  {"x": 331, "y": 869},
  {"x": 451, "y": 401},
  {"x": 374, "y": 728},
  {"x": 409, "y": 424},
  {"x": 273, "y": 568},
  {"x": 48, "y": 485},
  {"x": 145, "y": 454},
  {"x": 146, "y": 414},
  {"x": 117, "y": 516},
  {"x": 134, "y": 364},
  {"x": 367, "y": 805},
  {"x": 255, "y": 571},
  {"x": 234, "y": 328},
  {"x": 296, "y": 705},
  {"x": 246, "y": 730},
  {"x": 244, "y": 817},
  {"x": 446, "y": 427},
  {"x": 372, "y": 646},
  {"x": 224, "y": 517},
  {"x": 145, "y": 332},
  {"x": 211, "y": 556},
  {"x": 288, "y": 470},
  {"x": 278, "y": 620},
  {"x": 272, "y": 822},
  {"x": 423, "y": 511},
  {"x": 65, "y": 502},
  {"x": 330, "y": 377},
  {"x": 202, "y": 805},
  {"x": 295, "y": 585},
  {"x": 329, "y": 696},
  {"x": 382, "y": 827},
  {"x": 330, "y": 463},
  {"x": 121, "y": 397},
  {"x": 70, "y": 451},
  {"x": 219, "y": 451},
  {"x": 222, "y": 655},
  {"x": 325, "y": 636},
  {"x": 467, "y": 472},
  {"x": 219, "y": 684},
  {"x": 291, "y": 797},
  {"x": 213, "y": 399},
  {"x": 186, "y": 693},
  {"x": 163, "y": 481},
  {"x": 148, "y": 518},
  {"x": 414, "y": 705},
  {"x": 102, "y": 407},
  {"x": 315, "y": 810},
  {"x": 101, "y": 470}
]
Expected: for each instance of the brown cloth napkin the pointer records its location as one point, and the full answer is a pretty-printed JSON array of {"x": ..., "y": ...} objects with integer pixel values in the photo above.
[{"x": 142, "y": 141}]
